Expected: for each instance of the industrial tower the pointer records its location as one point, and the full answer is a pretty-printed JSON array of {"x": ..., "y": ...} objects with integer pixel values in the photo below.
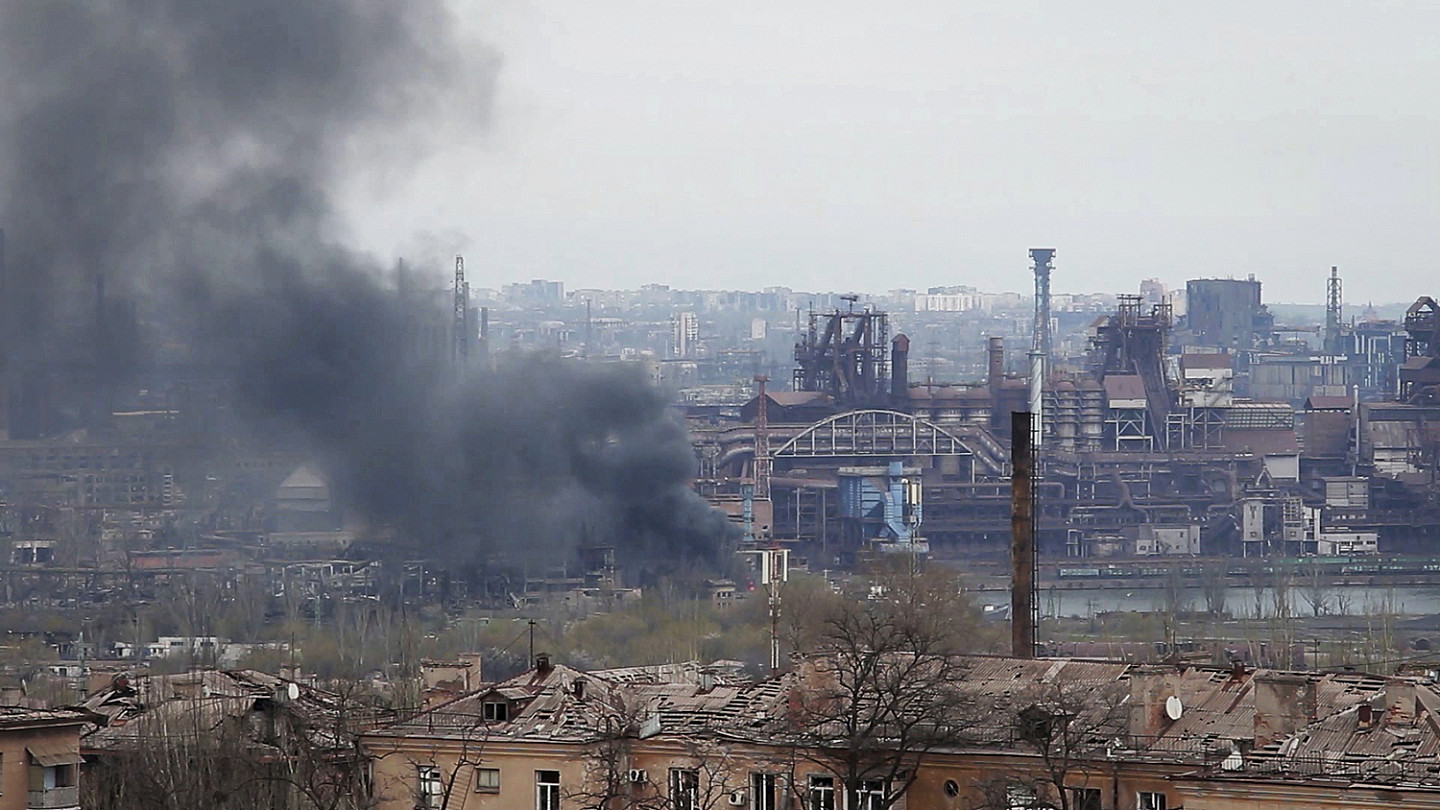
[
  {"x": 1043, "y": 259},
  {"x": 1040, "y": 348},
  {"x": 763, "y": 462},
  {"x": 461, "y": 325},
  {"x": 1332, "y": 314}
]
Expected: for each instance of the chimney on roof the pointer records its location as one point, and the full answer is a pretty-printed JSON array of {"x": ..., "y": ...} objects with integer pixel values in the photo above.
[
  {"x": 1400, "y": 697},
  {"x": 474, "y": 664},
  {"x": 1284, "y": 704},
  {"x": 542, "y": 663},
  {"x": 1366, "y": 717},
  {"x": 578, "y": 688},
  {"x": 1150, "y": 689}
]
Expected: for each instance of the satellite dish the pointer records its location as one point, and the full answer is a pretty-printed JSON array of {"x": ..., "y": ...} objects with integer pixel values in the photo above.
[
  {"x": 1173, "y": 707},
  {"x": 293, "y": 690}
]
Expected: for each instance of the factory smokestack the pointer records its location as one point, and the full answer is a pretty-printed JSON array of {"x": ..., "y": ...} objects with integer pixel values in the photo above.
[
  {"x": 1022, "y": 538},
  {"x": 900, "y": 372},
  {"x": 1041, "y": 350},
  {"x": 995, "y": 372}
]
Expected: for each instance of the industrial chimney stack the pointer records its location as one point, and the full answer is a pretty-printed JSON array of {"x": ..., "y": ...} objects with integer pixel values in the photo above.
[
  {"x": 900, "y": 372},
  {"x": 1022, "y": 537}
]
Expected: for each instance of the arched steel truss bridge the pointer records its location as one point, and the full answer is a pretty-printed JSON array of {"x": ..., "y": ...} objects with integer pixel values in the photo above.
[{"x": 872, "y": 433}]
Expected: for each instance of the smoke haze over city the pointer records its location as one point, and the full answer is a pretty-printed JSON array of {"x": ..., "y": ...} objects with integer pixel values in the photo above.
[{"x": 183, "y": 156}]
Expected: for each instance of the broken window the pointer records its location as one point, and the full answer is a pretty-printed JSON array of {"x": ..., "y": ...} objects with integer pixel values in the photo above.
[
  {"x": 1085, "y": 798},
  {"x": 762, "y": 791},
  {"x": 684, "y": 789},
  {"x": 870, "y": 795},
  {"x": 547, "y": 790},
  {"x": 822, "y": 793},
  {"x": 1150, "y": 801},
  {"x": 429, "y": 787}
]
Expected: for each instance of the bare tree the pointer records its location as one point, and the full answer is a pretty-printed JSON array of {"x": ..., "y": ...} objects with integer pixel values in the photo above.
[
  {"x": 880, "y": 699},
  {"x": 1176, "y": 604},
  {"x": 701, "y": 779},
  {"x": 1316, "y": 590},
  {"x": 222, "y": 752},
  {"x": 441, "y": 778},
  {"x": 1282, "y": 618},
  {"x": 1070, "y": 728},
  {"x": 1212, "y": 586},
  {"x": 1256, "y": 576}
]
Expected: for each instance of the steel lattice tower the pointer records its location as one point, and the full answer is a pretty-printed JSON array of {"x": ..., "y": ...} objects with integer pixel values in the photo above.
[
  {"x": 461, "y": 324},
  {"x": 1332, "y": 313}
]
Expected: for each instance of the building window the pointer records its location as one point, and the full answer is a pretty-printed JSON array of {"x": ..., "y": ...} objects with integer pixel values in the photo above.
[
  {"x": 429, "y": 788},
  {"x": 1150, "y": 801},
  {"x": 822, "y": 793},
  {"x": 496, "y": 711},
  {"x": 1020, "y": 797},
  {"x": 65, "y": 776},
  {"x": 762, "y": 791},
  {"x": 1085, "y": 798},
  {"x": 684, "y": 789},
  {"x": 870, "y": 795},
  {"x": 487, "y": 780},
  {"x": 547, "y": 790}
]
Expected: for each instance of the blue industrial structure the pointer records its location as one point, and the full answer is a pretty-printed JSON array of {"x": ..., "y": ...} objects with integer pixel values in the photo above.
[{"x": 881, "y": 506}]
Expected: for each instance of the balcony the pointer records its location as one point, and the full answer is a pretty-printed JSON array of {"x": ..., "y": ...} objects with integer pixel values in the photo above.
[{"x": 60, "y": 798}]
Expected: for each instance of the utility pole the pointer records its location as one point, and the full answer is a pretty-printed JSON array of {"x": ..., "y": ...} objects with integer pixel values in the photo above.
[
  {"x": 773, "y": 566},
  {"x": 531, "y": 624}
]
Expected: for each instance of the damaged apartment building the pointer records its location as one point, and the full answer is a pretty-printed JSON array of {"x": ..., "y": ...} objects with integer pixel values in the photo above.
[{"x": 1105, "y": 735}]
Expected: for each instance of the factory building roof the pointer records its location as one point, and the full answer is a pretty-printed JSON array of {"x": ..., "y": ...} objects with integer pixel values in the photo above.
[
  {"x": 1207, "y": 360},
  {"x": 1321, "y": 403},
  {"x": 1124, "y": 388},
  {"x": 1261, "y": 442}
]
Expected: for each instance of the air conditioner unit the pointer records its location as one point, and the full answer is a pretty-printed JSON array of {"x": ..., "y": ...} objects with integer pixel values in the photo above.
[
  {"x": 737, "y": 798},
  {"x": 637, "y": 776}
]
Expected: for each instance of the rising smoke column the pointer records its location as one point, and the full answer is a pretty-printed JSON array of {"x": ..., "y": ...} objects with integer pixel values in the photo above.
[{"x": 187, "y": 150}]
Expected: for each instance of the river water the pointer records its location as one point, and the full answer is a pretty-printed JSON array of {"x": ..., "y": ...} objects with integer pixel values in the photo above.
[{"x": 1351, "y": 600}]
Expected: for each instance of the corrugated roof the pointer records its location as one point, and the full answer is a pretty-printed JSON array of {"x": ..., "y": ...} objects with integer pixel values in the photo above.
[
  {"x": 50, "y": 753},
  {"x": 17, "y": 716}
]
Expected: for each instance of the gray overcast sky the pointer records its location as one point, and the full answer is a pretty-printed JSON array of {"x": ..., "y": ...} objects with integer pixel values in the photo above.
[{"x": 838, "y": 144}]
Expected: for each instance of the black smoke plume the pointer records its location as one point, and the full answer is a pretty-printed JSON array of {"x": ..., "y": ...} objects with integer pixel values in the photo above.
[{"x": 187, "y": 151}]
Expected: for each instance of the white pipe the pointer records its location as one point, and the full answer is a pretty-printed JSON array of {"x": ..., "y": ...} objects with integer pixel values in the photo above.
[{"x": 1037, "y": 382}]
